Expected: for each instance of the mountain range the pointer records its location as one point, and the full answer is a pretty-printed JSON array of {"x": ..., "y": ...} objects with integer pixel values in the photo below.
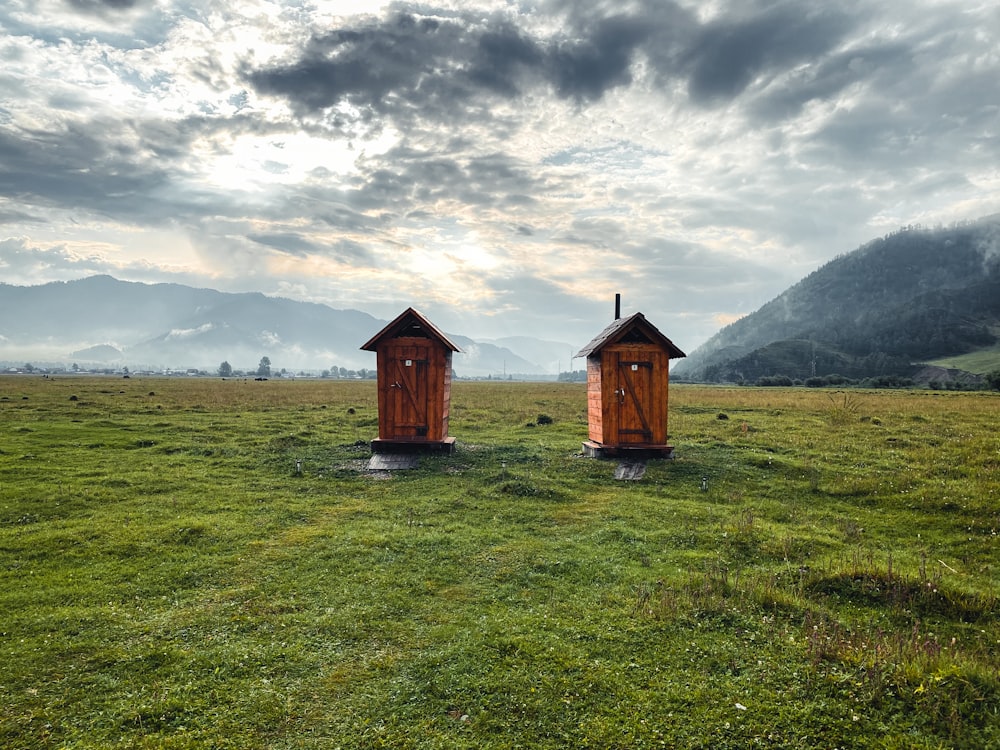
[
  {"x": 913, "y": 297},
  {"x": 103, "y": 321}
]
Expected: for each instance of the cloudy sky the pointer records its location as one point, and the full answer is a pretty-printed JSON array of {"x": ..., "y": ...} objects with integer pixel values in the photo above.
[{"x": 505, "y": 167}]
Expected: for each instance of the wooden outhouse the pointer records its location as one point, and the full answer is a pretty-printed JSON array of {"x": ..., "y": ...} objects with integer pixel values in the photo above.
[
  {"x": 413, "y": 364},
  {"x": 628, "y": 368}
]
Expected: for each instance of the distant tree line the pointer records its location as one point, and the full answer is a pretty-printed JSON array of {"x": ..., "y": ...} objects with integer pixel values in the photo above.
[
  {"x": 990, "y": 381},
  {"x": 266, "y": 370},
  {"x": 882, "y": 381},
  {"x": 343, "y": 373}
]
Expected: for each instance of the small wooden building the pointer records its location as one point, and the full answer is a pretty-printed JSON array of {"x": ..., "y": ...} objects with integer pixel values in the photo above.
[
  {"x": 413, "y": 363},
  {"x": 628, "y": 368}
]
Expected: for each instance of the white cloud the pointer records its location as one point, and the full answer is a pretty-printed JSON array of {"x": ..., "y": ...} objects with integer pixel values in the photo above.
[{"x": 186, "y": 333}]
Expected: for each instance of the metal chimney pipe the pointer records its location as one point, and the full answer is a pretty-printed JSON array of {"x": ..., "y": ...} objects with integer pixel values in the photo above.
[{"x": 618, "y": 306}]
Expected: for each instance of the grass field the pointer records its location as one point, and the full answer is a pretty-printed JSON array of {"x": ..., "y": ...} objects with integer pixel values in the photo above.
[
  {"x": 980, "y": 362},
  {"x": 814, "y": 569}
]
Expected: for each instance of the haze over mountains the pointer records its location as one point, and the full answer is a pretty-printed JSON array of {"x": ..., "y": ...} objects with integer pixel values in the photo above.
[
  {"x": 910, "y": 297},
  {"x": 101, "y": 320}
]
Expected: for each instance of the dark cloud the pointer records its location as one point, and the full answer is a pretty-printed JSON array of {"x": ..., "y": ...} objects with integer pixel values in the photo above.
[
  {"x": 862, "y": 137},
  {"x": 502, "y": 58},
  {"x": 125, "y": 169},
  {"x": 728, "y": 53},
  {"x": 908, "y": 135},
  {"x": 293, "y": 243},
  {"x": 445, "y": 66},
  {"x": 287, "y": 242},
  {"x": 351, "y": 252},
  {"x": 497, "y": 178},
  {"x": 87, "y": 166},
  {"x": 377, "y": 65},
  {"x": 332, "y": 210},
  {"x": 828, "y": 77},
  {"x": 101, "y": 6},
  {"x": 585, "y": 70},
  {"x": 14, "y": 216},
  {"x": 404, "y": 179}
]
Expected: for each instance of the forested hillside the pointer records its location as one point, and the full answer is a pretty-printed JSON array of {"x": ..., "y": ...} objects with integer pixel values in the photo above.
[{"x": 909, "y": 297}]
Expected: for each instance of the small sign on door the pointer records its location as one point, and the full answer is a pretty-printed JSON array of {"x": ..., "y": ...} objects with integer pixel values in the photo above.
[
  {"x": 409, "y": 363},
  {"x": 635, "y": 368}
]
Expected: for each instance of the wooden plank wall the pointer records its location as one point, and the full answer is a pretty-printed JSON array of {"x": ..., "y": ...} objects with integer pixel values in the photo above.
[
  {"x": 445, "y": 394},
  {"x": 602, "y": 404},
  {"x": 595, "y": 400},
  {"x": 438, "y": 384}
]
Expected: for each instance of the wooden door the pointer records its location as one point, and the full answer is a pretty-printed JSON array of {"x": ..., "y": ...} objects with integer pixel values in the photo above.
[
  {"x": 408, "y": 396},
  {"x": 634, "y": 398}
]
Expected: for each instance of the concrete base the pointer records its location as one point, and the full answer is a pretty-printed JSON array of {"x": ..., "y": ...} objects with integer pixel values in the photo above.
[
  {"x": 393, "y": 462},
  {"x": 413, "y": 446},
  {"x": 592, "y": 449},
  {"x": 631, "y": 471}
]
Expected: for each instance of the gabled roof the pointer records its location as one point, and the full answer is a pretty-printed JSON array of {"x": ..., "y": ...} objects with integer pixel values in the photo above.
[
  {"x": 409, "y": 323},
  {"x": 621, "y": 328}
]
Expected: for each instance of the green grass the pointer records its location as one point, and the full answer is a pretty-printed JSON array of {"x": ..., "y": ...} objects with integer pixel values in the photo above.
[
  {"x": 979, "y": 362},
  {"x": 169, "y": 580}
]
